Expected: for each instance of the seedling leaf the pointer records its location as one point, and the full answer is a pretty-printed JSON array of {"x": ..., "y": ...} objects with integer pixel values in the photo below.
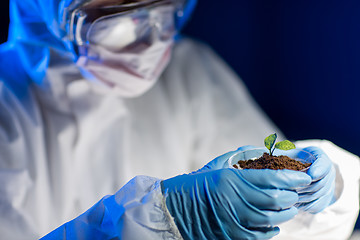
[
  {"x": 285, "y": 145},
  {"x": 269, "y": 141}
]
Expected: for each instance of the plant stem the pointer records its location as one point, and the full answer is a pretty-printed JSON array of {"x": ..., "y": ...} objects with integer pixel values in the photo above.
[{"x": 271, "y": 152}]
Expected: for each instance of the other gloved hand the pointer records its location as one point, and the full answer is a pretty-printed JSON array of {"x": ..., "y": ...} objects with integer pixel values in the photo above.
[
  {"x": 232, "y": 204},
  {"x": 320, "y": 193},
  {"x": 313, "y": 198}
]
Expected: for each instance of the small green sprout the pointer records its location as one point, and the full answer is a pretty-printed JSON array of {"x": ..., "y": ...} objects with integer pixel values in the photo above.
[{"x": 283, "y": 145}]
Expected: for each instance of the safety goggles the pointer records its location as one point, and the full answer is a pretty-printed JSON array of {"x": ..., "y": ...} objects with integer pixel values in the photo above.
[{"x": 135, "y": 22}]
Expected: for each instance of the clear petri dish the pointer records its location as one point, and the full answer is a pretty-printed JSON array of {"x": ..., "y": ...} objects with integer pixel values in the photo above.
[{"x": 251, "y": 154}]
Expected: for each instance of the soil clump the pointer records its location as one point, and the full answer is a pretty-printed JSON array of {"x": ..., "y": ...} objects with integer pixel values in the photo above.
[{"x": 272, "y": 162}]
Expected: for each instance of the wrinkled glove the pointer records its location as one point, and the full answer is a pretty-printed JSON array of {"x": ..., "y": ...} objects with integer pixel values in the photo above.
[
  {"x": 228, "y": 203},
  {"x": 320, "y": 194}
]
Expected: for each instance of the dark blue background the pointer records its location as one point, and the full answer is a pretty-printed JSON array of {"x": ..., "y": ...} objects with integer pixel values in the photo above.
[{"x": 299, "y": 59}]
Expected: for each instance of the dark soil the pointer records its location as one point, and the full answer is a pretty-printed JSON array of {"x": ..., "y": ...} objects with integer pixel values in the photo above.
[{"x": 272, "y": 162}]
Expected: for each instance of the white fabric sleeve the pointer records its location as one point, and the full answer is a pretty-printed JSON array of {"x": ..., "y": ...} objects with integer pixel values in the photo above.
[
  {"x": 17, "y": 188},
  {"x": 136, "y": 211},
  {"x": 337, "y": 221}
]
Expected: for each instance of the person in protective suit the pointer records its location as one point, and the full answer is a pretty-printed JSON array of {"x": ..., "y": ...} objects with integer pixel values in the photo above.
[{"x": 93, "y": 93}]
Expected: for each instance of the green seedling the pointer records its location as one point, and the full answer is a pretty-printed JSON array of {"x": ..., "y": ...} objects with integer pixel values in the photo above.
[{"x": 283, "y": 145}]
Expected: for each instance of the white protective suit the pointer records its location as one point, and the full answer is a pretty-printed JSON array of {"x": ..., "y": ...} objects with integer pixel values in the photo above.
[{"x": 64, "y": 145}]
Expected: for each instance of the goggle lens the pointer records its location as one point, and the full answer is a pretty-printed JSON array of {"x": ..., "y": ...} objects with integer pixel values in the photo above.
[{"x": 128, "y": 24}]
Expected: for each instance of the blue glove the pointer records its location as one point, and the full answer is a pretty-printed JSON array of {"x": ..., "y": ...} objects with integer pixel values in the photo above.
[
  {"x": 320, "y": 194},
  {"x": 229, "y": 203}
]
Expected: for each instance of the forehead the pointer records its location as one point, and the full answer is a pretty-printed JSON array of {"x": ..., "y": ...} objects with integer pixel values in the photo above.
[{"x": 99, "y": 8}]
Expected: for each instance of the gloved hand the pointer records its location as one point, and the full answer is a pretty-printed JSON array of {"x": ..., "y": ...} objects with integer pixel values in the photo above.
[
  {"x": 229, "y": 203},
  {"x": 320, "y": 194}
]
